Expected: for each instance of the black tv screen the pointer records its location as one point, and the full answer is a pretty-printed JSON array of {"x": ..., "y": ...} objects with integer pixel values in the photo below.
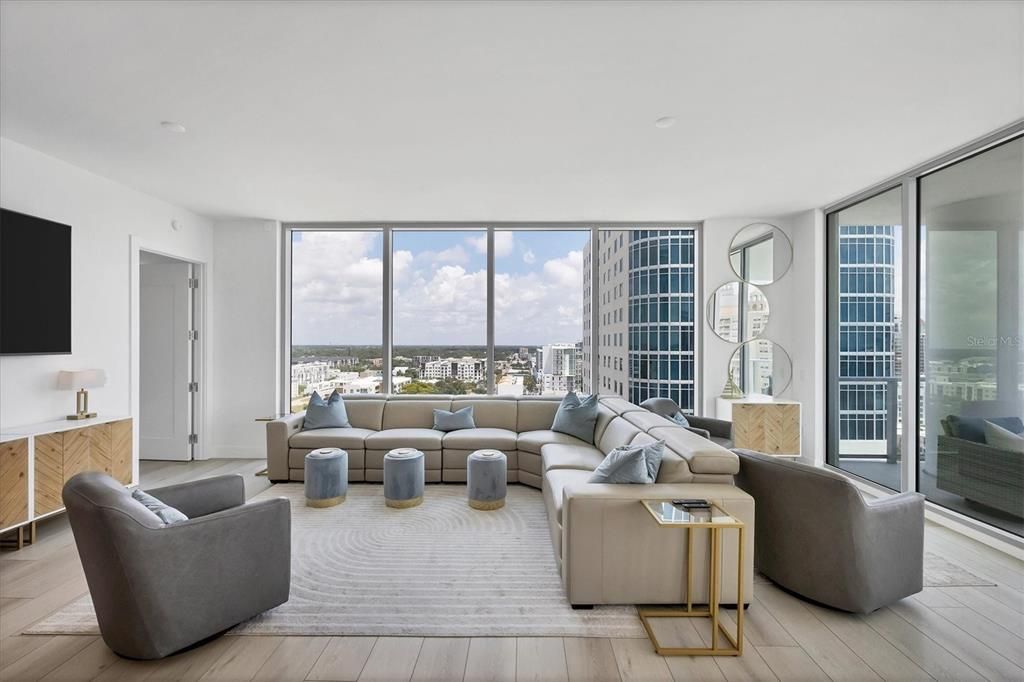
[{"x": 35, "y": 285}]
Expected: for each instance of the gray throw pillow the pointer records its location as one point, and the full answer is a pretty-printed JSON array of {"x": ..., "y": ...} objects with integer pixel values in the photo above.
[
  {"x": 653, "y": 454},
  {"x": 626, "y": 464},
  {"x": 166, "y": 513},
  {"x": 577, "y": 417},
  {"x": 321, "y": 414},
  {"x": 680, "y": 418},
  {"x": 453, "y": 421}
]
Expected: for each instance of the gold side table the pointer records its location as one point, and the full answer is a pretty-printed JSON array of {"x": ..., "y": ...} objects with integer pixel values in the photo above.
[{"x": 716, "y": 520}]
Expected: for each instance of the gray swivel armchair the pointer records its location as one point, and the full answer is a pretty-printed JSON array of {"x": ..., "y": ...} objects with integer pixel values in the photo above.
[
  {"x": 715, "y": 430},
  {"x": 815, "y": 535},
  {"x": 160, "y": 588}
]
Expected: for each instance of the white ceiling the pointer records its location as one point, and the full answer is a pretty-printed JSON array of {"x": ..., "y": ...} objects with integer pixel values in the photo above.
[{"x": 505, "y": 111}]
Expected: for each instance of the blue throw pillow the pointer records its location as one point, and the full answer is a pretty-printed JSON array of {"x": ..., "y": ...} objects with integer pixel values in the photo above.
[
  {"x": 577, "y": 417},
  {"x": 973, "y": 428},
  {"x": 653, "y": 454},
  {"x": 626, "y": 464},
  {"x": 168, "y": 514},
  {"x": 329, "y": 414},
  {"x": 680, "y": 419},
  {"x": 453, "y": 421}
]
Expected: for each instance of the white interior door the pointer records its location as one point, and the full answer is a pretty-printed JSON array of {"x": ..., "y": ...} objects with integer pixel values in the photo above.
[{"x": 165, "y": 360}]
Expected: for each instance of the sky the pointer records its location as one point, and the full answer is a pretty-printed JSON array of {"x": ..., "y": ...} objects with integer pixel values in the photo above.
[{"x": 440, "y": 287}]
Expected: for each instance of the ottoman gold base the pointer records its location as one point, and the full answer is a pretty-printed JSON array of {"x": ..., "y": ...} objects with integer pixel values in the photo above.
[
  {"x": 403, "y": 504},
  {"x": 329, "y": 502},
  {"x": 487, "y": 506}
]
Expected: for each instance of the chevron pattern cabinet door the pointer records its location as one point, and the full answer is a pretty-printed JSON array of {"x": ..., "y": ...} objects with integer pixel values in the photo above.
[
  {"x": 772, "y": 428},
  {"x": 121, "y": 450},
  {"x": 100, "y": 448},
  {"x": 13, "y": 482},
  {"x": 76, "y": 452},
  {"x": 49, "y": 464}
]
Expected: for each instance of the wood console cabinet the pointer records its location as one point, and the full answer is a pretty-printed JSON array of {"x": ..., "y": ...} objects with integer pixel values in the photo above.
[{"x": 36, "y": 461}]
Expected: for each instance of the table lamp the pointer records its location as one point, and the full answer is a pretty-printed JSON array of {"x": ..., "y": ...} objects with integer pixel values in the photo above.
[{"x": 81, "y": 379}]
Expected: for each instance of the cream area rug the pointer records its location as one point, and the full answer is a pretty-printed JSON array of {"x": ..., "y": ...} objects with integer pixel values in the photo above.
[{"x": 440, "y": 569}]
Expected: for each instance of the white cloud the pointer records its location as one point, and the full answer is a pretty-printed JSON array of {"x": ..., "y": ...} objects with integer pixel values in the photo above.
[
  {"x": 504, "y": 243},
  {"x": 336, "y": 296},
  {"x": 529, "y": 257}
]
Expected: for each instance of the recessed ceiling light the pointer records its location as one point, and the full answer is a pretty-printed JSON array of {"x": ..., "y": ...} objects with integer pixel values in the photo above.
[
  {"x": 172, "y": 126},
  {"x": 665, "y": 122}
]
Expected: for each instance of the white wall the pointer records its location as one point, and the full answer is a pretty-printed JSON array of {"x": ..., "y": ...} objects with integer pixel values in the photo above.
[
  {"x": 246, "y": 313},
  {"x": 103, "y": 215},
  {"x": 796, "y": 320}
]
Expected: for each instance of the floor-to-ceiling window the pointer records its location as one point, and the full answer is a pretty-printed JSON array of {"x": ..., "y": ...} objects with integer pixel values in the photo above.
[
  {"x": 439, "y": 311},
  {"x": 865, "y": 319},
  {"x": 972, "y": 325},
  {"x": 558, "y": 307},
  {"x": 337, "y": 297},
  {"x": 539, "y": 311},
  {"x": 646, "y": 338}
]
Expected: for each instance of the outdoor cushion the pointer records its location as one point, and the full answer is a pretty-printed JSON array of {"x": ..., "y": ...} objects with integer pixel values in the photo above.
[
  {"x": 345, "y": 439},
  {"x": 998, "y": 437},
  {"x": 421, "y": 439},
  {"x": 478, "y": 439},
  {"x": 533, "y": 441},
  {"x": 973, "y": 428},
  {"x": 559, "y": 456}
]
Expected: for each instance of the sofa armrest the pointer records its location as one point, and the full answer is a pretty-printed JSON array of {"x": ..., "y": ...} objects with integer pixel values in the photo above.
[
  {"x": 888, "y": 549},
  {"x": 614, "y": 552},
  {"x": 278, "y": 433},
  {"x": 719, "y": 428},
  {"x": 205, "y": 496}
]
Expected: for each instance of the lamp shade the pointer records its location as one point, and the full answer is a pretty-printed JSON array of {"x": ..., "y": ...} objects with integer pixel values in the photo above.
[{"x": 81, "y": 378}]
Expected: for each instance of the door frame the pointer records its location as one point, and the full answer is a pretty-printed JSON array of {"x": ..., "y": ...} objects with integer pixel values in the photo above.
[{"x": 200, "y": 354}]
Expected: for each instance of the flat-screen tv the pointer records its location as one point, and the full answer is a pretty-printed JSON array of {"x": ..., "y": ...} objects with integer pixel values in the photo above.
[{"x": 35, "y": 285}]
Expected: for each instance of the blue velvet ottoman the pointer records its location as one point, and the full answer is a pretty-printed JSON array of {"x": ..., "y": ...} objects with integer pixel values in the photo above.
[
  {"x": 486, "y": 479},
  {"x": 326, "y": 477},
  {"x": 403, "y": 478}
]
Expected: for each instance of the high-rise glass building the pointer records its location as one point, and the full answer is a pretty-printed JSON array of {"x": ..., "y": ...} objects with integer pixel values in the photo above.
[
  {"x": 868, "y": 330},
  {"x": 646, "y": 343}
]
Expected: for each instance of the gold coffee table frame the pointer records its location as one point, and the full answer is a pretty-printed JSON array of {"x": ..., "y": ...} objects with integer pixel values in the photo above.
[{"x": 717, "y": 521}]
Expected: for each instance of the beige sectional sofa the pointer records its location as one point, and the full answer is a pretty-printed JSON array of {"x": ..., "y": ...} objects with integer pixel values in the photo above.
[{"x": 608, "y": 549}]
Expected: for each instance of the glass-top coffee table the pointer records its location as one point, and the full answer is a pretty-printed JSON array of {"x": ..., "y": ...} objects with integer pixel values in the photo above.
[{"x": 716, "y": 520}]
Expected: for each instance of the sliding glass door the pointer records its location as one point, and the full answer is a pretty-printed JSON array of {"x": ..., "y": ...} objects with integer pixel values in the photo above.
[
  {"x": 865, "y": 358},
  {"x": 972, "y": 325}
]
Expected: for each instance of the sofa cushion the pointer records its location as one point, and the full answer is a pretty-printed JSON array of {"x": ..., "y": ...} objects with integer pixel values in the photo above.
[
  {"x": 535, "y": 414},
  {"x": 490, "y": 413},
  {"x": 555, "y": 482},
  {"x": 619, "y": 405},
  {"x": 645, "y": 421},
  {"x": 973, "y": 428},
  {"x": 412, "y": 414},
  {"x": 533, "y": 441},
  {"x": 561, "y": 456},
  {"x": 445, "y": 420},
  {"x": 577, "y": 417},
  {"x": 421, "y": 439},
  {"x": 325, "y": 414},
  {"x": 702, "y": 456},
  {"x": 477, "y": 439},
  {"x": 618, "y": 432},
  {"x": 363, "y": 412},
  {"x": 330, "y": 438}
]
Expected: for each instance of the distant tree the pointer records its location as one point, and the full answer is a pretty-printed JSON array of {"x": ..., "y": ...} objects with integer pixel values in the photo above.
[
  {"x": 418, "y": 387},
  {"x": 302, "y": 389},
  {"x": 530, "y": 383},
  {"x": 412, "y": 373}
]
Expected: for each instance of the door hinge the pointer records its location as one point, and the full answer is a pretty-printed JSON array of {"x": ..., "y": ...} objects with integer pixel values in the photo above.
[
  {"x": 193, "y": 387},
  {"x": 193, "y": 438},
  {"x": 193, "y": 334},
  {"x": 193, "y": 282}
]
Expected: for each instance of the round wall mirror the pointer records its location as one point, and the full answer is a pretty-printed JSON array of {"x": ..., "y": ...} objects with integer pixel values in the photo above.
[
  {"x": 761, "y": 369},
  {"x": 738, "y": 312},
  {"x": 760, "y": 253}
]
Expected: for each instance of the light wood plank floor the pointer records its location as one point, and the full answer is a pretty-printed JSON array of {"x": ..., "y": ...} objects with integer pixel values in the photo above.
[{"x": 955, "y": 633}]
